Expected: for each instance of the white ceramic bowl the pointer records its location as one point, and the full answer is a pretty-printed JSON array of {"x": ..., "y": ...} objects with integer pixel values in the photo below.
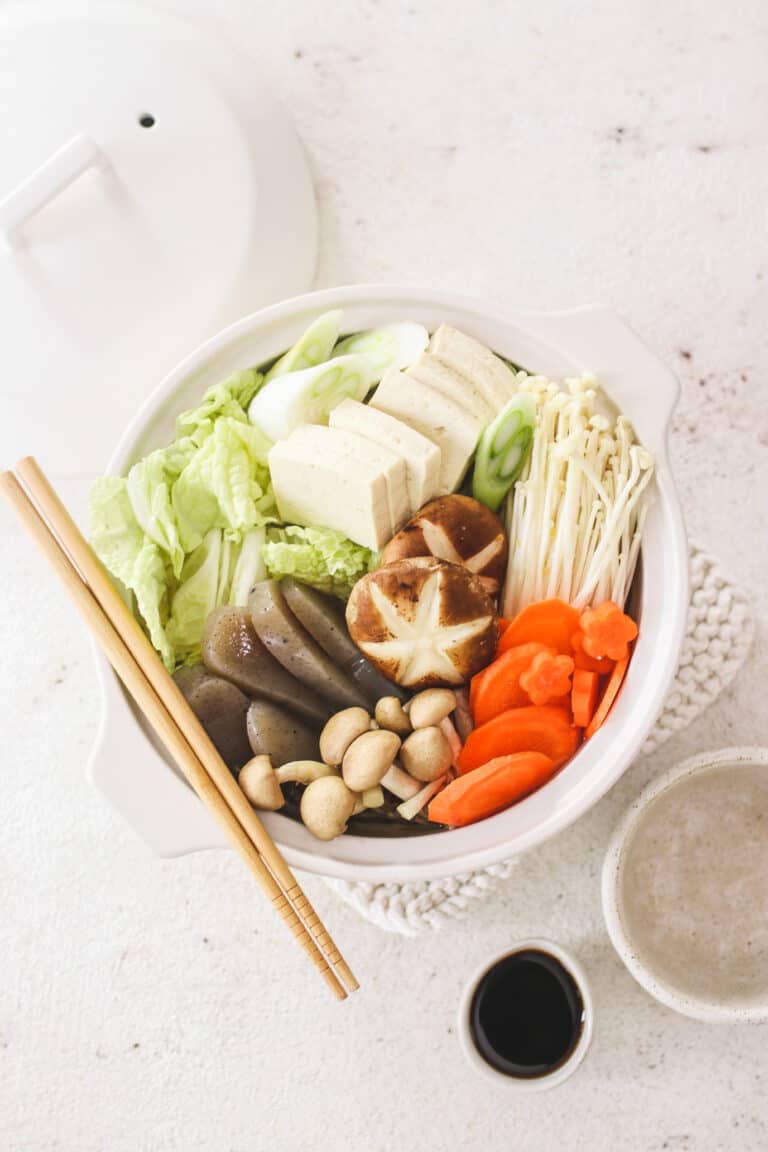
[
  {"x": 138, "y": 780},
  {"x": 635, "y": 956}
]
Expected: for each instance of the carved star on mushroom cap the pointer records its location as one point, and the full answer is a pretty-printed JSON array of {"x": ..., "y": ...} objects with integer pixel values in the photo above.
[
  {"x": 440, "y": 544},
  {"x": 421, "y": 647}
]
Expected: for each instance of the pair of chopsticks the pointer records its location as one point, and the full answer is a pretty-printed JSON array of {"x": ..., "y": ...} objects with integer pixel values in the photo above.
[{"x": 156, "y": 694}]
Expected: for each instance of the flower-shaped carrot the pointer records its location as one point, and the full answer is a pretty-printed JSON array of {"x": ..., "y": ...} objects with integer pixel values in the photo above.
[
  {"x": 607, "y": 631},
  {"x": 581, "y": 659},
  {"x": 547, "y": 677}
]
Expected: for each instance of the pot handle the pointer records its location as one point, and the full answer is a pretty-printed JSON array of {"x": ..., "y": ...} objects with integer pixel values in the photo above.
[
  {"x": 66, "y": 165},
  {"x": 602, "y": 342},
  {"x": 138, "y": 781}
]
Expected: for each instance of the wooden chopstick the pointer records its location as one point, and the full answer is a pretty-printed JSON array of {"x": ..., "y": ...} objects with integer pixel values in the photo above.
[
  {"x": 147, "y": 680},
  {"x": 125, "y": 623},
  {"x": 165, "y": 726}
]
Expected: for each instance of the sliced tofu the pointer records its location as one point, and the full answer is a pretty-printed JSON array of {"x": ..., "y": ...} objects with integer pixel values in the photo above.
[
  {"x": 460, "y": 389},
  {"x": 421, "y": 456},
  {"x": 314, "y": 487},
  {"x": 453, "y": 429},
  {"x": 352, "y": 445},
  {"x": 472, "y": 359}
]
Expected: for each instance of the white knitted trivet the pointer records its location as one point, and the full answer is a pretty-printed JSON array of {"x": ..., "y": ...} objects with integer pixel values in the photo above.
[{"x": 717, "y": 640}]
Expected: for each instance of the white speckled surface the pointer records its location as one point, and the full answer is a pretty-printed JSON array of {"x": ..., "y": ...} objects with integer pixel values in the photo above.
[{"x": 543, "y": 155}]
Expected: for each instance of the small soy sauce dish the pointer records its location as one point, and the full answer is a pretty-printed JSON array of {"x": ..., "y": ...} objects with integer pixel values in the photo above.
[{"x": 525, "y": 1017}]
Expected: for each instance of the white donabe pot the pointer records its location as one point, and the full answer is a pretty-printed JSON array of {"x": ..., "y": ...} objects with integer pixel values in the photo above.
[{"x": 139, "y": 780}]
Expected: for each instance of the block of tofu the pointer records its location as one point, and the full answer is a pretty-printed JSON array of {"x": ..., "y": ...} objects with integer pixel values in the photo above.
[
  {"x": 339, "y": 442},
  {"x": 460, "y": 389},
  {"x": 472, "y": 359},
  {"x": 453, "y": 429},
  {"x": 313, "y": 487},
  {"x": 421, "y": 456}
]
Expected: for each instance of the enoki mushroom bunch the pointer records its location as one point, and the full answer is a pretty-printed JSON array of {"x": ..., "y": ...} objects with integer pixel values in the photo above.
[{"x": 575, "y": 516}]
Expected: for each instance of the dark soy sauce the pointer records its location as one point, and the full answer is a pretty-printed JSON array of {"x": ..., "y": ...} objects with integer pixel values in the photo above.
[{"x": 527, "y": 1014}]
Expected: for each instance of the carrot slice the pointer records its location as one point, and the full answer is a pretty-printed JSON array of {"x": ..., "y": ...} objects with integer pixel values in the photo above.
[
  {"x": 608, "y": 697},
  {"x": 490, "y": 788},
  {"x": 550, "y": 622},
  {"x": 503, "y": 624},
  {"x": 584, "y": 696},
  {"x": 546, "y": 729},
  {"x": 547, "y": 678},
  {"x": 603, "y": 666},
  {"x": 607, "y": 631},
  {"x": 497, "y": 687}
]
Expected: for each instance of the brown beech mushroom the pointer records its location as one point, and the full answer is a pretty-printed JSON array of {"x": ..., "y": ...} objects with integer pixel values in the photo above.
[
  {"x": 430, "y": 707},
  {"x": 423, "y": 622},
  {"x": 390, "y": 715},
  {"x": 303, "y": 771},
  {"x": 340, "y": 731},
  {"x": 426, "y": 754},
  {"x": 326, "y": 806},
  {"x": 458, "y": 529},
  {"x": 259, "y": 783},
  {"x": 371, "y": 798},
  {"x": 368, "y": 759}
]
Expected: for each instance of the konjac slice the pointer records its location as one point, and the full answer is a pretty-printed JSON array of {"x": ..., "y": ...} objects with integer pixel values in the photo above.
[
  {"x": 497, "y": 687},
  {"x": 232, "y": 649},
  {"x": 274, "y": 732},
  {"x": 490, "y": 788},
  {"x": 221, "y": 708},
  {"x": 290, "y": 644},
  {"x": 546, "y": 728},
  {"x": 323, "y": 618},
  {"x": 550, "y": 622}
]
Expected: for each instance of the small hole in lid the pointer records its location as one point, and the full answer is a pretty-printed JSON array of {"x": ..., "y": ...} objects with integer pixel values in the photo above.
[{"x": 146, "y": 120}]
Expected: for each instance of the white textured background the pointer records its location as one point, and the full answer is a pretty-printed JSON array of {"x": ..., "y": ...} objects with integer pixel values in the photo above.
[{"x": 538, "y": 154}]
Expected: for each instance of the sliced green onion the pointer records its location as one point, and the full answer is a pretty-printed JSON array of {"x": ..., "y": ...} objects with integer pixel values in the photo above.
[
  {"x": 391, "y": 346},
  {"x": 307, "y": 397},
  {"x": 313, "y": 347},
  {"x": 503, "y": 450}
]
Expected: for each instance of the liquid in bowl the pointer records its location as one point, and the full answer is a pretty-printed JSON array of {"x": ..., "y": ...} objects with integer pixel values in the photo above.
[{"x": 692, "y": 886}]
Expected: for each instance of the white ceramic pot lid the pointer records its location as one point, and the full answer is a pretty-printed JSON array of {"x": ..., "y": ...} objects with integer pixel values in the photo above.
[{"x": 150, "y": 193}]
